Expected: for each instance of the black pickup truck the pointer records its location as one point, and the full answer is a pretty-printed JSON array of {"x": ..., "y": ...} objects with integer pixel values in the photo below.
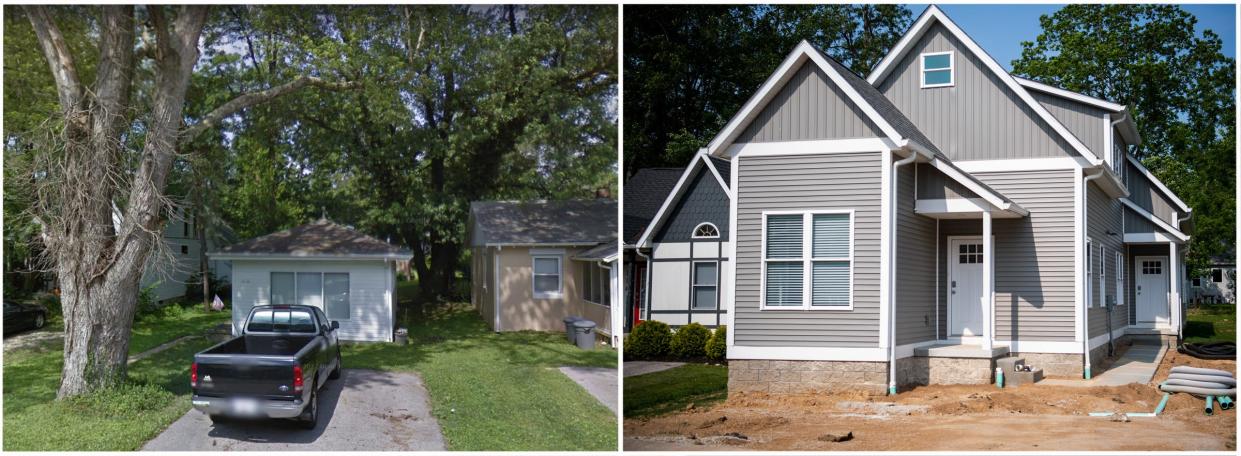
[{"x": 274, "y": 369}]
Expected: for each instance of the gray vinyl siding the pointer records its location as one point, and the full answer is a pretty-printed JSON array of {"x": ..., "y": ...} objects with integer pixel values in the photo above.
[
  {"x": 933, "y": 184},
  {"x": 703, "y": 201},
  {"x": 979, "y": 118},
  {"x": 1034, "y": 273},
  {"x": 1137, "y": 223},
  {"x": 1146, "y": 195},
  {"x": 915, "y": 266},
  {"x": 809, "y": 107},
  {"x": 1105, "y": 214},
  {"x": 1084, "y": 121},
  {"x": 808, "y": 182},
  {"x": 1134, "y": 251}
]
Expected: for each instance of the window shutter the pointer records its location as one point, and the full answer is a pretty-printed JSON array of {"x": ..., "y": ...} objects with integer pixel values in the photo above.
[
  {"x": 784, "y": 236},
  {"x": 784, "y": 283},
  {"x": 831, "y": 236}
]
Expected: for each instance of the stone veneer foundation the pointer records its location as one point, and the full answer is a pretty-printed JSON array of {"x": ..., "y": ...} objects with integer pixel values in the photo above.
[
  {"x": 1055, "y": 364},
  {"x": 804, "y": 377},
  {"x": 919, "y": 370}
]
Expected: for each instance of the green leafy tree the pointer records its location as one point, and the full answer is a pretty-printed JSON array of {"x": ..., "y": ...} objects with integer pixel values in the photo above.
[
  {"x": 689, "y": 68},
  {"x": 1177, "y": 84}
]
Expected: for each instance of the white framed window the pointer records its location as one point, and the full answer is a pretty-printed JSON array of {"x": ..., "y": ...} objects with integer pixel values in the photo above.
[
  {"x": 705, "y": 285},
  {"x": 938, "y": 69},
  {"x": 706, "y": 230},
  {"x": 596, "y": 285},
  {"x": 1120, "y": 279},
  {"x": 807, "y": 260},
  {"x": 547, "y": 277},
  {"x": 1090, "y": 272},
  {"x": 1217, "y": 275},
  {"x": 328, "y": 291}
]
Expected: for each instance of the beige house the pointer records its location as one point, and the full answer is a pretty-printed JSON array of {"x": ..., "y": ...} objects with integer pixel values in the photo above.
[{"x": 535, "y": 263}]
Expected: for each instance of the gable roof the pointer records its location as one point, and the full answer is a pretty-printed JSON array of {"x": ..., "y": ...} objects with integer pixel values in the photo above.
[
  {"x": 681, "y": 187},
  {"x": 1156, "y": 220},
  {"x": 571, "y": 222},
  {"x": 1128, "y": 129},
  {"x": 1158, "y": 184},
  {"x": 723, "y": 168},
  {"x": 645, "y": 192},
  {"x": 933, "y": 15},
  {"x": 321, "y": 238},
  {"x": 605, "y": 252}
]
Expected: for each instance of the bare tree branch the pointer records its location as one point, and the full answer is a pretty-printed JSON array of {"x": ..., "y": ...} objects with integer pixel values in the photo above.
[
  {"x": 64, "y": 70},
  {"x": 249, "y": 99}
]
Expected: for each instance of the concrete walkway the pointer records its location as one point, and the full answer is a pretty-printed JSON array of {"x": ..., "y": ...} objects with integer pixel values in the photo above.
[
  {"x": 1137, "y": 365},
  {"x": 600, "y": 382},
  {"x": 633, "y": 368}
]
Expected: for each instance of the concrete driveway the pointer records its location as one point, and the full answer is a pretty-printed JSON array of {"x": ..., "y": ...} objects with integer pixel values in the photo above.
[{"x": 363, "y": 410}]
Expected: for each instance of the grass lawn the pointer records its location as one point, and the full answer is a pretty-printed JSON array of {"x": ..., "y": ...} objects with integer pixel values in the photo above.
[
  {"x": 117, "y": 420},
  {"x": 1211, "y": 323},
  {"x": 498, "y": 391},
  {"x": 673, "y": 389}
]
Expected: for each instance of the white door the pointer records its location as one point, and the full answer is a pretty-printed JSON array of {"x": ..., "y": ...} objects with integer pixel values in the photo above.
[
  {"x": 1151, "y": 289},
  {"x": 965, "y": 287}
]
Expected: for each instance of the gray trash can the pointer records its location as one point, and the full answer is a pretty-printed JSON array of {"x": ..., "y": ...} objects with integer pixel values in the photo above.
[
  {"x": 584, "y": 334},
  {"x": 402, "y": 336},
  {"x": 568, "y": 326}
]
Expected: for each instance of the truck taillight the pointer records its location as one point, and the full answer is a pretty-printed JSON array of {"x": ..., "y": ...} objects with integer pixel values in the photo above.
[
  {"x": 193, "y": 374},
  {"x": 297, "y": 378}
]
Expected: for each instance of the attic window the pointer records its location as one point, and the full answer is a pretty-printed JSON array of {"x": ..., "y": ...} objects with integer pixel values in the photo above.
[
  {"x": 706, "y": 230},
  {"x": 937, "y": 69}
]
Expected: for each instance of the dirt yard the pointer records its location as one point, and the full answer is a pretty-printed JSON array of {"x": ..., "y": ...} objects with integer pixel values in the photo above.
[{"x": 949, "y": 417}]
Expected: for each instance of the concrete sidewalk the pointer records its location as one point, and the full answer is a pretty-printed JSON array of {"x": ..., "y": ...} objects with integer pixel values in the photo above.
[
  {"x": 1137, "y": 365},
  {"x": 600, "y": 382},
  {"x": 633, "y": 368}
]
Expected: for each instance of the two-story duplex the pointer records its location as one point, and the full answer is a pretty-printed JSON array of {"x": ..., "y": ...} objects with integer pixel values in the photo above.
[{"x": 914, "y": 226}]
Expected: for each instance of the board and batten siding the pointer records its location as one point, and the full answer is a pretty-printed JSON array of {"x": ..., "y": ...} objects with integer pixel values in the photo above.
[
  {"x": 915, "y": 265},
  {"x": 1143, "y": 193},
  {"x": 1083, "y": 120},
  {"x": 1137, "y": 223},
  {"x": 809, "y": 107},
  {"x": 1034, "y": 277},
  {"x": 672, "y": 277},
  {"x": 808, "y": 182},
  {"x": 979, "y": 117},
  {"x": 933, "y": 184},
  {"x": 371, "y": 291},
  {"x": 1105, "y": 214}
]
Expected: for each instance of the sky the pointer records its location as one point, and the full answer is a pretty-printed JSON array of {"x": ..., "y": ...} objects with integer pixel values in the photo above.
[{"x": 1000, "y": 29}]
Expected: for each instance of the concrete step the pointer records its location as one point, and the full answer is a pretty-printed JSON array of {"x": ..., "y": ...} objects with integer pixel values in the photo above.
[
  {"x": 1008, "y": 363},
  {"x": 1022, "y": 378}
]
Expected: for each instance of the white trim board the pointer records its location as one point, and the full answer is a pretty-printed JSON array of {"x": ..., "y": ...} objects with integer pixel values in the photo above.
[
  {"x": 1020, "y": 164},
  {"x": 933, "y": 13},
  {"x": 1101, "y": 339},
  {"x": 986, "y": 193},
  {"x": 1083, "y": 98},
  {"x": 822, "y": 146},
  {"x": 1177, "y": 234},
  {"x": 743, "y": 352},
  {"x": 1148, "y": 238},
  {"x": 958, "y": 206},
  {"x": 1158, "y": 184}
]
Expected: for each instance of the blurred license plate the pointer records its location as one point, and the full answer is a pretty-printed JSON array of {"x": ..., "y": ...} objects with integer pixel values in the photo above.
[{"x": 245, "y": 406}]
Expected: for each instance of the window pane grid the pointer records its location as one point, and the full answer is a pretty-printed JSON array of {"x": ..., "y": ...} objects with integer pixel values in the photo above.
[{"x": 808, "y": 260}]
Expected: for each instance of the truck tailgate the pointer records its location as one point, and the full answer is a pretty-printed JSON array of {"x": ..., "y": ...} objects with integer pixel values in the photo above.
[{"x": 264, "y": 376}]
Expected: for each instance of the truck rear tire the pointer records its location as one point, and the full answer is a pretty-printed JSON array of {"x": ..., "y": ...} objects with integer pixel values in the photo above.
[
  {"x": 310, "y": 416},
  {"x": 335, "y": 372},
  {"x": 216, "y": 419}
]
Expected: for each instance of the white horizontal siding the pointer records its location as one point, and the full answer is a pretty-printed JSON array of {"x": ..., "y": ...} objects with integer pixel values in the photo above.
[{"x": 370, "y": 313}]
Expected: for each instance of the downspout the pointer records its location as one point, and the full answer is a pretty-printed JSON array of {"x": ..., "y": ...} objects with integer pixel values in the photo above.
[
  {"x": 1088, "y": 297},
  {"x": 1112, "y": 132},
  {"x": 892, "y": 274}
]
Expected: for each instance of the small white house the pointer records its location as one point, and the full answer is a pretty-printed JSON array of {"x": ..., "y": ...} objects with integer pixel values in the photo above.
[{"x": 350, "y": 275}]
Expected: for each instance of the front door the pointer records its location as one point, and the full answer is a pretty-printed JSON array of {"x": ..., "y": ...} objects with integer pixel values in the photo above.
[
  {"x": 1151, "y": 289},
  {"x": 965, "y": 286}
]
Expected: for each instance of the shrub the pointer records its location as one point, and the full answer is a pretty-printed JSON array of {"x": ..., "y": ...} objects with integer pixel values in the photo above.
[
  {"x": 717, "y": 345},
  {"x": 649, "y": 339},
  {"x": 690, "y": 341},
  {"x": 51, "y": 302}
]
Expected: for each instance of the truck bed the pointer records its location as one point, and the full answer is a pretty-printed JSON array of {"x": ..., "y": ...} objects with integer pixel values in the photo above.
[{"x": 266, "y": 345}]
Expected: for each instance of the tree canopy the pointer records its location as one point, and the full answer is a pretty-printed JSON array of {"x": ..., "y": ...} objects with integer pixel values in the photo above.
[
  {"x": 688, "y": 68},
  {"x": 1177, "y": 84}
]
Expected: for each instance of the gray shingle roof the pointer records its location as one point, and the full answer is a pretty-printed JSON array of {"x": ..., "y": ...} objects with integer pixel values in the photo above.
[
  {"x": 577, "y": 222},
  {"x": 319, "y": 238},
  {"x": 645, "y": 192},
  {"x": 724, "y": 167}
]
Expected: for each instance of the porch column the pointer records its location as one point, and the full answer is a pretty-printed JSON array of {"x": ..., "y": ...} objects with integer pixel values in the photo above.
[
  {"x": 1174, "y": 294},
  {"x": 988, "y": 298}
]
